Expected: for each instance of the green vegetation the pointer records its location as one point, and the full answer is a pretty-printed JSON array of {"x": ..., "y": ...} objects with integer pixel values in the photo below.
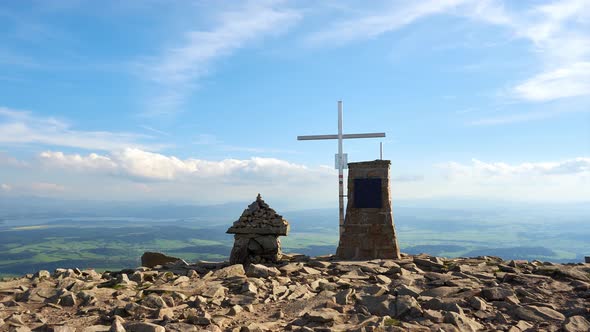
[
  {"x": 27, "y": 246},
  {"x": 391, "y": 322},
  {"x": 66, "y": 244},
  {"x": 118, "y": 286}
]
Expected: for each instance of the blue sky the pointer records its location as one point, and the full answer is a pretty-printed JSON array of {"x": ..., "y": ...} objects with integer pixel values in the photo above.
[{"x": 202, "y": 101}]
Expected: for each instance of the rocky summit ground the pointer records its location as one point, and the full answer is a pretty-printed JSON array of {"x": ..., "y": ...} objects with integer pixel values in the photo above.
[{"x": 416, "y": 293}]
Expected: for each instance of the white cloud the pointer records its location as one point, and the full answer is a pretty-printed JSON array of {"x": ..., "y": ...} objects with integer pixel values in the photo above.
[
  {"x": 6, "y": 160},
  {"x": 145, "y": 165},
  {"x": 177, "y": 69},
  {"x": 190, "y": 60},
  {"x": 46, "y": 187},
  {"x": 398, "y": 14},
  {"x": 497, "y": 170},
  {"x": 22, "y": 127},
  {"x": 33, "y": 188},
  {"x": 512, "y": 118},
  {"x": 570, "y": 81},
  {"x": 75, "y": 161},
  {"x": 371, "y": 25},
  {"x": 546, "y": 21},
  {"x": 572, "y": 166},
  {"x": 558, "y": 32},
  {"x": 488, "y": 11},
  {"x": 554, "y": 181},
  {"x": 137, "y": 174}
]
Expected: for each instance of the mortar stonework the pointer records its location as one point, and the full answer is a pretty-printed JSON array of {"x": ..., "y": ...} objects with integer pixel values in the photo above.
[{"x": 368, "y": 232}]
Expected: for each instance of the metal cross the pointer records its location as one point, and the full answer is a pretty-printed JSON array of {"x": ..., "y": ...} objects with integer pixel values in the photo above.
[{"x": 339, "y": 156}]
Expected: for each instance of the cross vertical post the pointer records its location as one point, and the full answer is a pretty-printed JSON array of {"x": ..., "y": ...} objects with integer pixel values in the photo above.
[{"x": 340, "y": 171}]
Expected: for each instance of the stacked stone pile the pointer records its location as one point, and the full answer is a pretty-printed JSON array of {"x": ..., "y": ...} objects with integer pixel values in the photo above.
[
  {"x": 257, "y": 232},
  {"x": 414, "y": 293},
  {"x": 260, "y": 218}
]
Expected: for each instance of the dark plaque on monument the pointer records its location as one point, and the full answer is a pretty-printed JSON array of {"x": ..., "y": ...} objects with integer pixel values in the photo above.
[{"x": 367, "y": 193}]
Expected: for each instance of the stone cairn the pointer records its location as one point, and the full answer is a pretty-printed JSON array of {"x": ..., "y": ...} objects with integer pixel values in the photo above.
[{"x": 257, "y": 232}]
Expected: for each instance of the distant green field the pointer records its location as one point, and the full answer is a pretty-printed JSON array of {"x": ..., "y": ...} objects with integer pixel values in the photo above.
[
  {"x": 26, "y": 249},
  {"x": 119, "y": 243}
]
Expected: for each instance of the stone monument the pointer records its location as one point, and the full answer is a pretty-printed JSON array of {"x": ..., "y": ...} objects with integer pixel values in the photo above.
[
  {"x": 369, "y": 231},
  {"x": 257, "y": 232}
]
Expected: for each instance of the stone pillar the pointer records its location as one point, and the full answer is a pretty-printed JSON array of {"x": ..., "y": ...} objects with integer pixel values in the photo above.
[{"x": 369, "y": 231}]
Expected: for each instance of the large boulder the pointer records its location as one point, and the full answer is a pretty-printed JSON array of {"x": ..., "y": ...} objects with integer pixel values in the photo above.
[
  {"x": 462, "y": 322},
  {"x": 496, "y": 293},
  {"x": 576, "y": 323},
  {"x": 235, "y": 270},
  {"x": 538, "y": 314},
  {"x": 383, "y": 305},
  {"x": 151, "y": 259},
  {"x": 261, "y": 271}
]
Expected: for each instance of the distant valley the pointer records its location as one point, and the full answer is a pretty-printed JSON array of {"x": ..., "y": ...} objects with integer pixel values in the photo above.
[{"x": 113, "y": 237}]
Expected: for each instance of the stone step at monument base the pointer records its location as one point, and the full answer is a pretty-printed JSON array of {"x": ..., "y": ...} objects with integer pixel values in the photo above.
[{"x": 358, "y": 254}]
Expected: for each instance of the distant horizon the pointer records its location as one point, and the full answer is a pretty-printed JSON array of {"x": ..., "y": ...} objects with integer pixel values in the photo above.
[
  {"x": 38, "y": 236},
  {"x": 283, "y": 206}
]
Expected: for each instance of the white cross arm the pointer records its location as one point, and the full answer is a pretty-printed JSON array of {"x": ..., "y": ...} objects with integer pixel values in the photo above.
[{"x": 344, "y": 136}]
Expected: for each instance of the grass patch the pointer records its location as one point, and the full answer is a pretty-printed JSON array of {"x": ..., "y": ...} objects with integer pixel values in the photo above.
[
  {"x": 392, "y": 322},
  {"x": 118, "y": 286},
  {"x": 203, "y": 242},
  {"x": 170, "y": 244},
  {"x": 303, "y": 240}
]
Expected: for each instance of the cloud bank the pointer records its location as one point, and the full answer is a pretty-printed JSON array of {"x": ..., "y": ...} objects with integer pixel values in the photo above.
[
  {"x": 143, "y": 165},
  {"x": 491, "y": 171},
  {"x": 177, "y": 69},
  {"x": 22, "y": 127},
  {"x": 137, "y": 174}
]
